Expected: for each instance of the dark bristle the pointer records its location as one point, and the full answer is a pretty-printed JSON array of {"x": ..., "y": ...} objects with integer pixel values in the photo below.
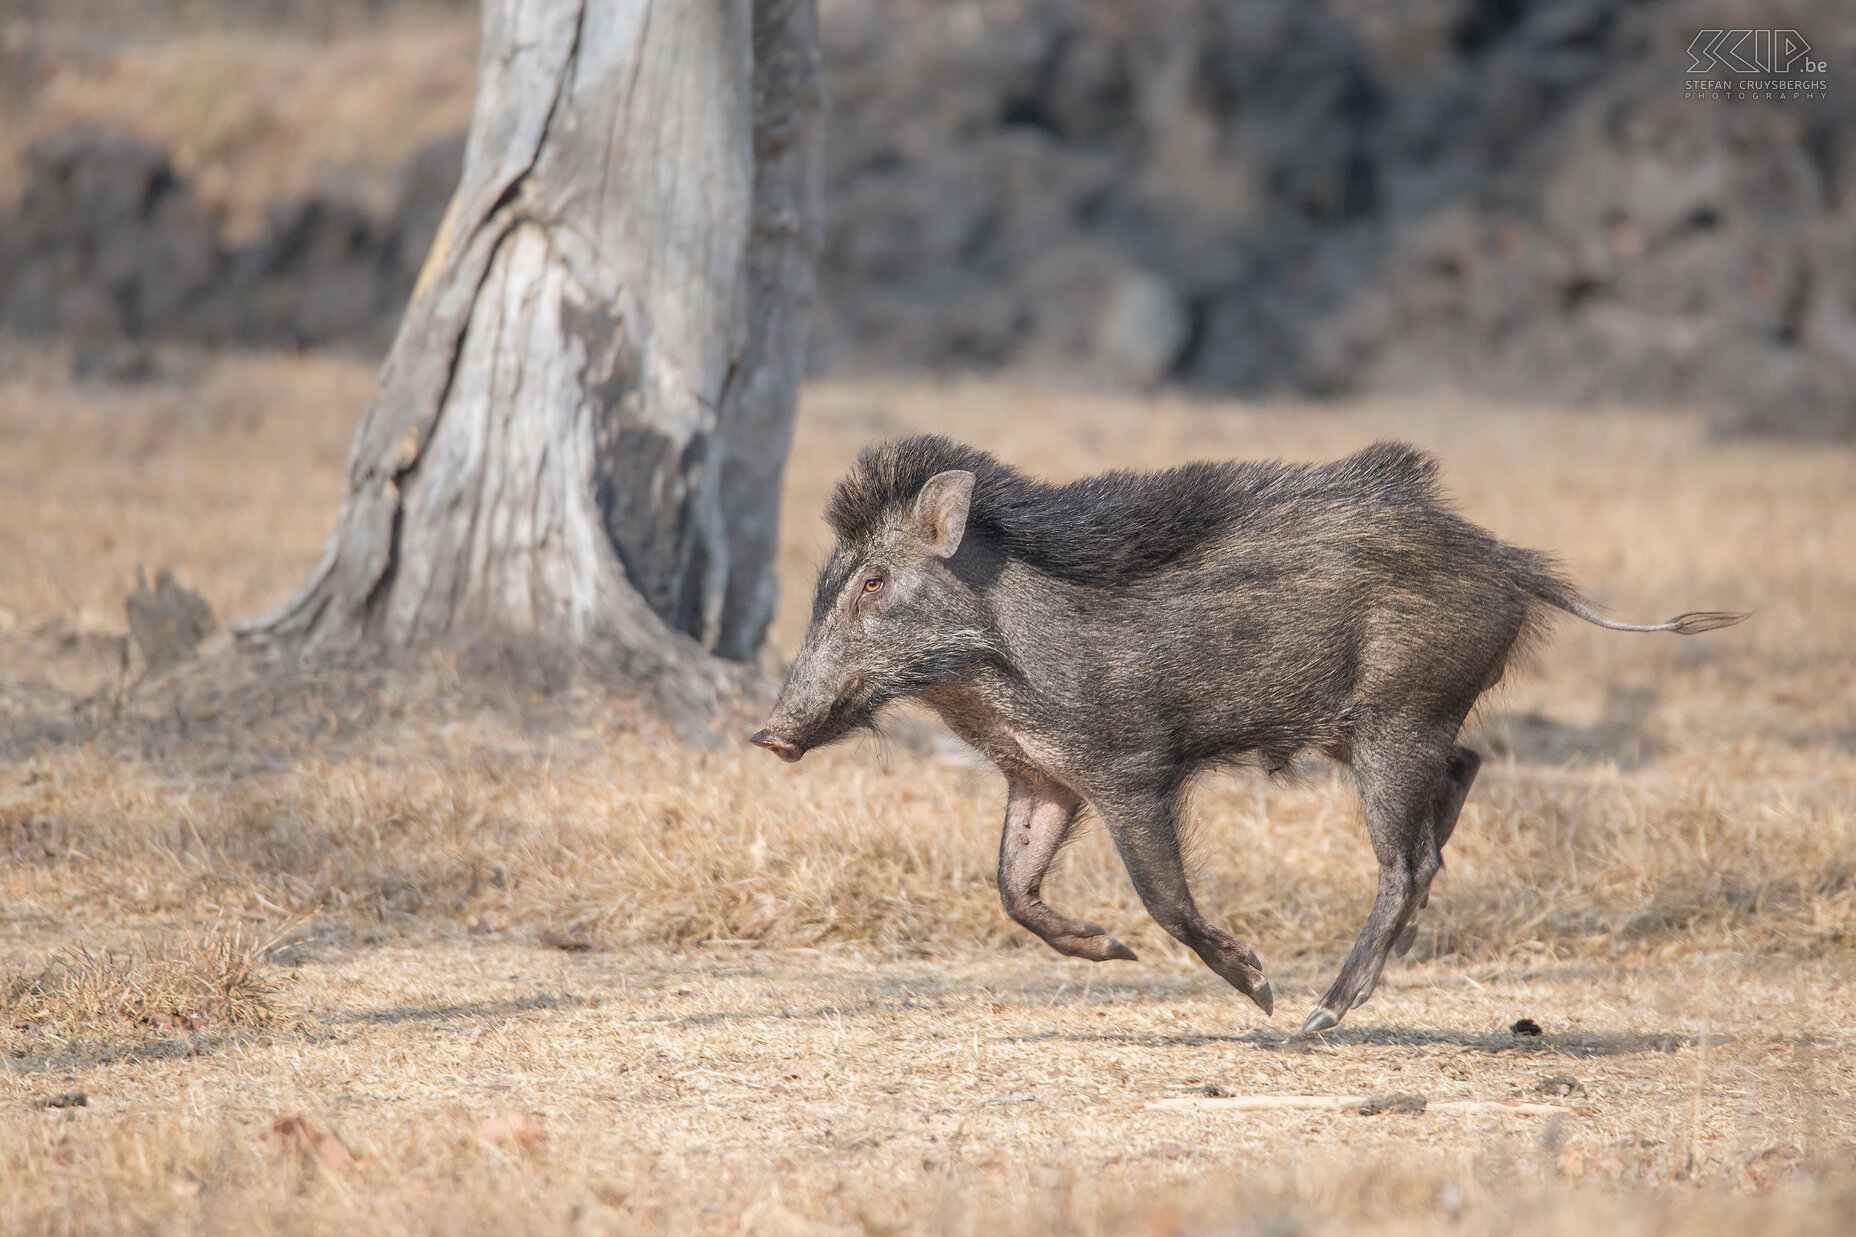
[{"x": 1121, "y": 525}]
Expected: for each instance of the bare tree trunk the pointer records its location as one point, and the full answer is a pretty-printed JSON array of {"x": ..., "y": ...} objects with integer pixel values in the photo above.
[
  {"x": 789, "y": 173},
  {"x": 580, "y": 430}
]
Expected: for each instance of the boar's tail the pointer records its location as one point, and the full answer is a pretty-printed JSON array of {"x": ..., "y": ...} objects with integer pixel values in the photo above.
[
  {"x": 1691, "y": 624},
  {"x": 1540, "y": 577}
]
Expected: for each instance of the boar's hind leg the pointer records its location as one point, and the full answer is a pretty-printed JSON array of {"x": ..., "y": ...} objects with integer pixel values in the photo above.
[
  {"x": 1448, "y": 805},
  {"x": 1398, "y": 787},
  {"x": 1458, "y": 776},
  {"x": 1038, "y": 816},
  {"x": 1147, "y": 836}
]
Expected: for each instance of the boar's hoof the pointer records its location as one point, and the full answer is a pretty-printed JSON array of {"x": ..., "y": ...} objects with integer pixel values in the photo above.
[
  {"x": 783, "y": 748},
  {"x": 1247, "y": 977},
  {"x": 1097, "y": 946},
  {"x": 1319, "y": 1021}
]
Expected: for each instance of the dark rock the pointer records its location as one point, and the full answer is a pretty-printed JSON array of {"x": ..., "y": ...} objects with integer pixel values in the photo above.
[
  {"x": 106, "y": 243},
  {"x": 1507, "y": 197},
  {"x": 110, "y": 245}
]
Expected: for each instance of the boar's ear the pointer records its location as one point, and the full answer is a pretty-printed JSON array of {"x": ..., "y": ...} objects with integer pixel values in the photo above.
[{"x": 941, "y": 510}]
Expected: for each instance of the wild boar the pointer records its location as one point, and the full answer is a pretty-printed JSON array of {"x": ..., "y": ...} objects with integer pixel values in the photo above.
[{"x": 1103, "y": 641}]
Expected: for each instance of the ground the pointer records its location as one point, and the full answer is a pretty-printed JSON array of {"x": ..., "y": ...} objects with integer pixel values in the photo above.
[{"x": 429, "y": 949}]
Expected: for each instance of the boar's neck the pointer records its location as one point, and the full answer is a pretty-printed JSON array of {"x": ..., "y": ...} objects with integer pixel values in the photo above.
[{"x": 1009, "y": 708}]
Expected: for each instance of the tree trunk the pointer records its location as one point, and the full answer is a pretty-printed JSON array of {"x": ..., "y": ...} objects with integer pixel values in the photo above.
[{"x": 580, "y": 431}]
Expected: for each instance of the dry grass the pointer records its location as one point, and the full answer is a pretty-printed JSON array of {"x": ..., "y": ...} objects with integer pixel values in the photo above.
[
  {"x": 743, "y": 997},
  {"x": 213, "y": 980}
]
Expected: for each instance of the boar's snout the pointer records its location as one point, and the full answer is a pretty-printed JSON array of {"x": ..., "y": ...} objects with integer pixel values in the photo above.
[{"x": 784, "y": 748}]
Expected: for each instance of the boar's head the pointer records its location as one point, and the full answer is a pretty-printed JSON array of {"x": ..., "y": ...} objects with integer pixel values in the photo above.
[{"x": 890, "y": 617}]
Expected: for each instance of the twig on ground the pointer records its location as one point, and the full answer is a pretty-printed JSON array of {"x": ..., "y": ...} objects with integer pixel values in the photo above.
[{"x": 1340, "y": 1103}]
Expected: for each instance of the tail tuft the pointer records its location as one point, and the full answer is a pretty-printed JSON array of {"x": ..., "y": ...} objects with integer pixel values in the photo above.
[
  {"x": 1538, "y": 574},
  {"x": 1705, "y": 620}
]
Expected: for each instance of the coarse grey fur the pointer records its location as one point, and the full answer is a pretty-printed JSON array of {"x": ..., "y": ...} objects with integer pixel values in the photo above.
[{"x": 1103, "y": 641}]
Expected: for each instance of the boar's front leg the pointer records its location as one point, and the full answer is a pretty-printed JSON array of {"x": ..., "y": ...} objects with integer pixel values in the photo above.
[
  {"x": 1146, "y": 833},
  {"x": 1038, "y": 817}
]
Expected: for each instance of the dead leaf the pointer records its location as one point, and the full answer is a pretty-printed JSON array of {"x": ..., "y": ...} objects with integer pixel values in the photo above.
[
  {"x": 515, "y": 1129},
  {"x": 567, "y": 944},
  {"x": 334, "y": 1153},
  {"x": 170, "y": 1021},
  {"x": 313, "y": 1145}
]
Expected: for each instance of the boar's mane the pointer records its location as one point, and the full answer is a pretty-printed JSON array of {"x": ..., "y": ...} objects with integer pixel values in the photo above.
[{"x": 1121, "y": 525}]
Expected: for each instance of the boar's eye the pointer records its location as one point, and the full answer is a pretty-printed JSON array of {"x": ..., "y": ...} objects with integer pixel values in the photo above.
[{"x": 873, "y": 584}]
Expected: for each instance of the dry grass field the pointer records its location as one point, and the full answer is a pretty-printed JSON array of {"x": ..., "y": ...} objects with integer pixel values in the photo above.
[{"x": 429, "y": 951}]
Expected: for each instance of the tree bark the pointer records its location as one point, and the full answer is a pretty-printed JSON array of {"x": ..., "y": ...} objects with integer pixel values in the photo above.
[{"x": 580, "y": 430}]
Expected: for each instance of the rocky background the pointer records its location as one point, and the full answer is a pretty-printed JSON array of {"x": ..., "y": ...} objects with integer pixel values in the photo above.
[{"x": 1511, "y": 198}]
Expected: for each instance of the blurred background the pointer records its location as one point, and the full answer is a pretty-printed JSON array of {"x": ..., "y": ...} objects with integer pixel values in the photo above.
[{"x": 1510, "y": 199}]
